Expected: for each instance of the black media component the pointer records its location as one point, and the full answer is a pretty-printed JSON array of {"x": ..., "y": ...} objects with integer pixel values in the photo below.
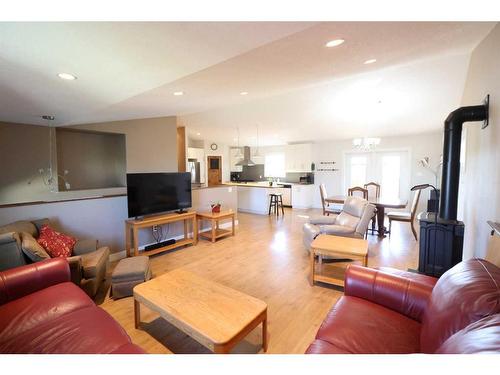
[{"x": 150, "y": 193}]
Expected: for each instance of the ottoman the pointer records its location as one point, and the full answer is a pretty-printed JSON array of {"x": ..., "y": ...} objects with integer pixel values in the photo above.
[{"x": 128, "y": 273}]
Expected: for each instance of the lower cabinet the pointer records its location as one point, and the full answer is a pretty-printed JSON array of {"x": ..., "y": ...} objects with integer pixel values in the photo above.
[{"x": 302, "y": 196}]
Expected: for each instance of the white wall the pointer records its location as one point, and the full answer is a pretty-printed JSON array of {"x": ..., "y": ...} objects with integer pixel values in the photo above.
[
  {"x": 481, "y": 183},
  {"x": 419, "y": 146}
]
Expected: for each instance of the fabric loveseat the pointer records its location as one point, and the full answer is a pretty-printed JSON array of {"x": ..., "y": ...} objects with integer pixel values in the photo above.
[
  {"x": 88, "y": 263},
  {"x": 388, "y": 311},
  {"x": 41, "y": 311}
]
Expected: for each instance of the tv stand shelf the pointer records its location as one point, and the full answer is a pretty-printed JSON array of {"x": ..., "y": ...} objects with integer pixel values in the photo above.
[{"x": 132, "y": 227}]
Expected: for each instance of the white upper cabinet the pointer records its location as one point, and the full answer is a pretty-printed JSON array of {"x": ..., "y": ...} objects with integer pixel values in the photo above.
[{"x": 298, "y": 157}]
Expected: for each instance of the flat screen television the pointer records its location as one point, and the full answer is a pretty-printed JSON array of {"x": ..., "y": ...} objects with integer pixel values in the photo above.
[{"x": 150, "y": 193}]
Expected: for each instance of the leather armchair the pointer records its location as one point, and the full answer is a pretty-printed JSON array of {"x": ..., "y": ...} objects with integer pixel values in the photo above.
[
  {"x": 388, "y": 311},
  {"x": 88, "y": 263},
  {"x": 352, "y": 221}
]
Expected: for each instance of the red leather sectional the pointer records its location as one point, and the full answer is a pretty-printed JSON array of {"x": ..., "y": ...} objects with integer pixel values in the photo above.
[
  {"x": 41, "y": 311},
  {"x": 390, "y": 311}
]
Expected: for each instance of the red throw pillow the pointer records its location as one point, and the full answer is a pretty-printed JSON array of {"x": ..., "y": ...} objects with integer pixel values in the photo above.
[{"x": 56, "y": 244}]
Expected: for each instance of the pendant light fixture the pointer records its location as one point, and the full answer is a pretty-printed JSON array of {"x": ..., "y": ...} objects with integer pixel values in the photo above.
[
  {"x": 50, "y": 178},
  {"x": 238, "y": 152},
  {"x": 257, "y": 153}
]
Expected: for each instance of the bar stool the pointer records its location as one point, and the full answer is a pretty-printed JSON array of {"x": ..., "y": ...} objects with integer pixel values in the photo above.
[{"x": 275, "y": 201}]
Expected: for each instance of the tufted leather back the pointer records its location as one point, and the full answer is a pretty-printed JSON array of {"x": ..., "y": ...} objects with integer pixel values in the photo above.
[{"x": 465, "y": 294}]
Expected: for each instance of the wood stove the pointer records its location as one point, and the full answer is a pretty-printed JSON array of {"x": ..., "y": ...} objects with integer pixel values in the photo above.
[{"x": 441, "y": 236}]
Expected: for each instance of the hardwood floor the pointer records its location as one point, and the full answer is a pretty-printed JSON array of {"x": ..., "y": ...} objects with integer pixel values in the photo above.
[{"x": 266, "y": 259}]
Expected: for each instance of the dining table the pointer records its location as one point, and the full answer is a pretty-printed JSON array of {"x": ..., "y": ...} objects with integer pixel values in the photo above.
[{"x": 381, "y": 203}]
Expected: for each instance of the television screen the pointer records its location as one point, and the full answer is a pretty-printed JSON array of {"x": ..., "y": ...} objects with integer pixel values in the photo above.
[{"x": 149, "y": 193}]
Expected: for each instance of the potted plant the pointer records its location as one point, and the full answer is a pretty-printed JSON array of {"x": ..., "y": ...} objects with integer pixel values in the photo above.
[{"x": 216, "y": 207}]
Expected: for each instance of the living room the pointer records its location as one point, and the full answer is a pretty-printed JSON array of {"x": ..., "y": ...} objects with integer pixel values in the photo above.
[{"x": 261, "y": 186}]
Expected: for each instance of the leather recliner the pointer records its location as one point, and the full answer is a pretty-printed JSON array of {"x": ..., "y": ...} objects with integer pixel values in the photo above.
[
  {"x": 352, "y": 221},
  {"x": 88, "y": 263},
  {"x": 41, "y": 311},
  {"x": 388, "y": 311}
]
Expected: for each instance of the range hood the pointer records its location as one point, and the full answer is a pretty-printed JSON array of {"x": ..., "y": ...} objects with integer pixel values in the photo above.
[{"x": 246, "y": 161}]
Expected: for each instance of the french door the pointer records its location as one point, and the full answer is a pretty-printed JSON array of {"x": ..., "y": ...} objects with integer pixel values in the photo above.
[{"x": 390, "y": 169}]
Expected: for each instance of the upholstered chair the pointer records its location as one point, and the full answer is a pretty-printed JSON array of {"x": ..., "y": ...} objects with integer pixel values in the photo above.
[
  {"x": 87, "y": 264},
  {"x": 351, "y": 222}
]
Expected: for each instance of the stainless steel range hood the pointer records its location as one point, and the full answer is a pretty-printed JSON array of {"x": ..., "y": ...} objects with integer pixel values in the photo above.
[{"x": 246, "y": 161}]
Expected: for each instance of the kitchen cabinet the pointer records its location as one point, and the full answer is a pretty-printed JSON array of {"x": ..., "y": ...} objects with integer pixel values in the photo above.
[
  {"x": 302, "y": 196},
  {"x": 287, "y": 196},
  {"x": 298, "y": 157}
]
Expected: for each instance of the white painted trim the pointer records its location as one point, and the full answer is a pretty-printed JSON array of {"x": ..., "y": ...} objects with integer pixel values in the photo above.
[{"x": 123, "y": 254}]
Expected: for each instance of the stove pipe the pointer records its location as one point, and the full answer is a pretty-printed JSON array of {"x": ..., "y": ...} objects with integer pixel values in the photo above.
[{"x": 451, "y": 154}]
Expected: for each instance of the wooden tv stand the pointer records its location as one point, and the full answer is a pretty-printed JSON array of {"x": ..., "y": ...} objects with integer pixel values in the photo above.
[{"x": 132, "y": 227}]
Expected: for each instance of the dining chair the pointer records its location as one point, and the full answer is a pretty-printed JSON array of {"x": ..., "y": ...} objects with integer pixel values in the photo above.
[
  {"x": 407, "y": 217},
  {"x": 353, "y": 192},
  {"x": 373, "y": 192},
  {"x": 373, "y": 189},
  {"x": 327, "y": 210}
]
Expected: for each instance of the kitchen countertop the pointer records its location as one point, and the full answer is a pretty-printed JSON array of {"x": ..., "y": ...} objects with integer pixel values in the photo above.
[{"x": 263, "y": 184}]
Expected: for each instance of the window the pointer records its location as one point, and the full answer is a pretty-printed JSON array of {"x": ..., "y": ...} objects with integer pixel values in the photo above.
[
  {"x": 274, "y": 165},
  {"x": 390, "y": 169},
  {"x": 358, "y": 170}
]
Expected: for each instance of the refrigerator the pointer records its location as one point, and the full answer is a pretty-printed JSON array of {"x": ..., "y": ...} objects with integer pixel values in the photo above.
[{"x": 194, "y": 168}]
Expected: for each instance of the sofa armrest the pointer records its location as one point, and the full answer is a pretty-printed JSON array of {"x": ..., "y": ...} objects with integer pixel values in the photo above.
[
  {"x": 337, "y": 230},
  {"x": 323, "y": 220},
  {"x": 21, "y": 281},
  {"x": 408, "y": 296},
  {"x": 85, "y": 246},
  {"x": 75, "y": 268}
]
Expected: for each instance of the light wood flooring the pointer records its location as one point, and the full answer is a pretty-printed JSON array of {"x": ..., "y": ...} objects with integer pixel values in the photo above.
[{"x": 266, "y": 259}]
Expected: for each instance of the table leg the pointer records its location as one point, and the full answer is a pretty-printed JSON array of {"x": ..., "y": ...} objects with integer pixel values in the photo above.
[
  {"x": 380, "y": 220},
  {"x": 137, "y": 314},
  {"x": 127, "y": 240},
  {"x": 213, "y": 230},
  {"x": 135, "y": 241},
  {"x": 232, "y": 219},
  {"x": 264, "y": 334},
  {"x": 195, "y": 230},
  {"x": 365, "y": 260},
  {"x": 185, "y": 229},
  {"x": 312, "y": 266}
]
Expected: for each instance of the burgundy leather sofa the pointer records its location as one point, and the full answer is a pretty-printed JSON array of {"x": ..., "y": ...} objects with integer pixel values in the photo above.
[
  {"x": 42, "y": 311},
  {"x": 390, "y": 311}
]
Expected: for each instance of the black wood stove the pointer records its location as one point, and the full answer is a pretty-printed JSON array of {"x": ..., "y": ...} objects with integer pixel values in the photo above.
[{"x": 442, "y": 236}]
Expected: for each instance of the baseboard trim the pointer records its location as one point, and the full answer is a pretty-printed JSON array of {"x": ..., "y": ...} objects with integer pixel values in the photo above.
[{"x": 123, "y": 254}]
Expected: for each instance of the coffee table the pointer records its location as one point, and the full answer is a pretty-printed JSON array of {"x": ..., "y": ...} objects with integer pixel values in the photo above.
[
  {"x": 214, "y": 217},
  {"x": 216, "y": 316},
  {"x": 355, "y": 249}
]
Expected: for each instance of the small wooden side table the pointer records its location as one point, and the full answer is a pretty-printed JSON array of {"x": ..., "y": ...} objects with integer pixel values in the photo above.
[
  {"x": 216, "y": 232},
  {"x": 355, "y": 249}
]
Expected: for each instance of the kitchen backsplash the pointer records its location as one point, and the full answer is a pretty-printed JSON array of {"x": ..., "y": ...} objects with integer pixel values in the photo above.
[{"x": 253, "y": 173}]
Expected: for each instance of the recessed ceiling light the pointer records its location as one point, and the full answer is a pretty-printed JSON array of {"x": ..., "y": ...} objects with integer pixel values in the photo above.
[
  {"x": 67, "y": 76},
  {"x": 198, "y": 133},
  {"x": 243, "y": 93},
  {"x": 179, "y": 93},
  {"x": 334, "y": 43},
  {"x": 371, "y": 61}
]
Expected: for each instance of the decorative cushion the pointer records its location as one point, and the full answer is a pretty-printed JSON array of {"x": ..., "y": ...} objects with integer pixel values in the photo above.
[
  {"x": 56, "y": 244},
  {"x": 32, "y": 248}
]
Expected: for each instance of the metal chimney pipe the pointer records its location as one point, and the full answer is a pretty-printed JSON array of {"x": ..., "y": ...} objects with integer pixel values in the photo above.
[{"x": 451, "y": 155}]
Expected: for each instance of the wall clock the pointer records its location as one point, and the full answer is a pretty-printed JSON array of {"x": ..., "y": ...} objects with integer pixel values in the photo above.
[{"x": 213, "y": 146}]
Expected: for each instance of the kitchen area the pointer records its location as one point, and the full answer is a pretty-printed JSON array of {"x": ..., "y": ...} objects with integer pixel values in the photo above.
[{"x": 255, "y": 173}]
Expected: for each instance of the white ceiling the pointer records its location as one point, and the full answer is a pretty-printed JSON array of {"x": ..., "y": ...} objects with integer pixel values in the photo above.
[{"x": 298, "y": 89}]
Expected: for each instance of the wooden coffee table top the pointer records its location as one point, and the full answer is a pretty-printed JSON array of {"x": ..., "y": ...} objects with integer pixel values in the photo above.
[
  {"x": 209, "y": 312},
  {"x": 340, "y": 245},
  {"x": 215, "y": 215}
]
